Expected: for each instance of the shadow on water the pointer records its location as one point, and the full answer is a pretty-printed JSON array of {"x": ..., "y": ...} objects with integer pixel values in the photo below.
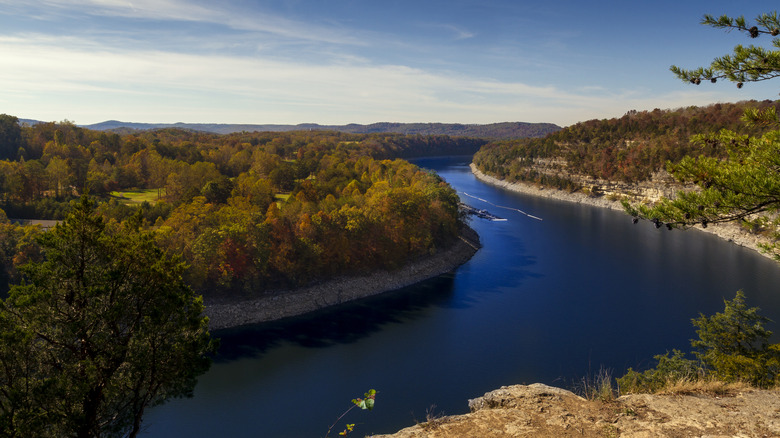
[{"x": 343, "y": 324}]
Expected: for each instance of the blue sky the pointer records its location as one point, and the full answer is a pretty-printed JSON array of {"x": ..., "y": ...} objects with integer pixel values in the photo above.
[{"x": 350, "y": 61}]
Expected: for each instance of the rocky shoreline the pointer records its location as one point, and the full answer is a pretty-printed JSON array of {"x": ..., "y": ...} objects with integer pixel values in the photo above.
[
  {"x": 283, "y": 304},
  {"x": 729, "y": 232}
]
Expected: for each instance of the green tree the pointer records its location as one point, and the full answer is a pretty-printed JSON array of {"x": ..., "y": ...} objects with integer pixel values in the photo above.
[
  {"x": 745, "y": 184},
  {"x": 102, "y": 329},
  {"x": 734, "y": 345},
  {"x": 10, "y": 136},
  {"x": 746, "y": 64},
  {"x": 58, "y": 173}
]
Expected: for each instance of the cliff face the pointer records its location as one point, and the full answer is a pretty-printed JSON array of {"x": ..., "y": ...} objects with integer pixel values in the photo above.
[
  {"x": 607, "y": 194},
  {"x": 661, "y": 183},
  {"x": 542, "y": 411}
]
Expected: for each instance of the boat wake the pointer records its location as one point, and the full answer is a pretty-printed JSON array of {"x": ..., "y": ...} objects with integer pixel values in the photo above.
[{"x": 502, "y": 206}]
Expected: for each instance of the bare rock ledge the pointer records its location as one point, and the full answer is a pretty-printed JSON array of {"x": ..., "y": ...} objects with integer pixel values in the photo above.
[{"x": 542, "y": 411}]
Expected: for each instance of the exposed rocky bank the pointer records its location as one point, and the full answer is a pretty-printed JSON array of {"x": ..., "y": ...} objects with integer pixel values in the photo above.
[
  {"x": 542, "y": 411},
  {"x": 276, "y": 305},
  {"x": 608, "y": 195}
]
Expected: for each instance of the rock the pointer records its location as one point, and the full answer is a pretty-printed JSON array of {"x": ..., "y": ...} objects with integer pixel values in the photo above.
[{"x": 542, "y": 411}]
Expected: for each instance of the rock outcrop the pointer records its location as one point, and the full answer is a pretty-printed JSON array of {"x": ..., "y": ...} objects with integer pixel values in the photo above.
[{"x": 542, "y": 411}]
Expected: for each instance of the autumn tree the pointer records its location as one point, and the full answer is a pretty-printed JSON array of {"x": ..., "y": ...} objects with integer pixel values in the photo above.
[{"x": 101, "y": 330}]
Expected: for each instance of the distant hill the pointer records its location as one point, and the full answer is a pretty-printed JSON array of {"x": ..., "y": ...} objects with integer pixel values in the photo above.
[
  {"x": 29, "y": 122},
  {"x": 506, "y": 130}
]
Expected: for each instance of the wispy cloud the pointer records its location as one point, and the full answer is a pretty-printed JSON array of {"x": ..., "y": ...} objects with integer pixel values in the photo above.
[
  {"x": 224, "y": 14},
  {"x": 458, "y": 32}
]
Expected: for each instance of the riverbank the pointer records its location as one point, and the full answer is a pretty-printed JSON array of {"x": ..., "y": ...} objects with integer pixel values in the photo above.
[
  {"x": 730, "y": 232},
  {"x": 284, "y": 304}
]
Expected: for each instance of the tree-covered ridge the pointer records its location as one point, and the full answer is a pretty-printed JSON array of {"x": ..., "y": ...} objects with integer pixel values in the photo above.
[
  {"x": 629, "y": 149},
  {"x": 245, "y": 210},
  {"x": 491, "y": 130}
]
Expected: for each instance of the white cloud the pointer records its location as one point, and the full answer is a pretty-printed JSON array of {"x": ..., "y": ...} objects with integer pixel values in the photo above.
[
  {"x": 81, "y": 79},
  {"x": 41, "y": 65}
]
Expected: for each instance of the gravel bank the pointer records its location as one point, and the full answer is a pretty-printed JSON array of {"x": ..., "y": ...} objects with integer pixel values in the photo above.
[
  {"x": 730, "y": 231},
  {"x": 283, "y": 304}
]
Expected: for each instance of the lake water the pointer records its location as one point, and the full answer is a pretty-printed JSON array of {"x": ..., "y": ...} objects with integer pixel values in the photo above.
[{"x": 549, "y": 301}]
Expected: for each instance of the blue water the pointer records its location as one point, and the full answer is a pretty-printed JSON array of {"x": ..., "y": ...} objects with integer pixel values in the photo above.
[{"x": 548, "y": 301}]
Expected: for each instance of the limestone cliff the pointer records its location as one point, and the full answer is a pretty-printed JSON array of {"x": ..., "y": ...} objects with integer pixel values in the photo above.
[
  {"x": 608, "y": 194},
  {"x": 542, "y": 411}
]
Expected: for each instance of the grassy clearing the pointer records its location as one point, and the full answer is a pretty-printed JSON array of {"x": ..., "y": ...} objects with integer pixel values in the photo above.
[{"x": 139, "y": 196}]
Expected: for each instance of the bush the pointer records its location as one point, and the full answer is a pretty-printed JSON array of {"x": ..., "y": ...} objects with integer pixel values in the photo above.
[
  {"x": 732, "y": 347},
  {"x": 669, "y": 369}
]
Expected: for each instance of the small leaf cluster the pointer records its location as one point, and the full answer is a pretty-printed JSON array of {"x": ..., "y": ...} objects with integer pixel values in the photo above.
[{"x": 366, "y": 404}]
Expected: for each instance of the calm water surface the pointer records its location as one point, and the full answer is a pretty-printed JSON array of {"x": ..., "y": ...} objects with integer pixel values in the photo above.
[{"x": 547, "y": 301}]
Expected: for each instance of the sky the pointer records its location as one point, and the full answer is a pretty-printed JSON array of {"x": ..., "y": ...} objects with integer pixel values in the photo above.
[{"x": 361, "y": 61}]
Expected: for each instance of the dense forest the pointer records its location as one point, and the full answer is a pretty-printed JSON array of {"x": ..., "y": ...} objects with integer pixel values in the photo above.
[
  {"x": 247, "y": 211},
  {"x": 628, "y": 149}
]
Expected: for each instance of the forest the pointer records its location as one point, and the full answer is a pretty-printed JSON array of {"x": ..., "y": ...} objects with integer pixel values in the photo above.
[
  {"x": 247, "y": 211},
  {"x": 628, "y": 149}
]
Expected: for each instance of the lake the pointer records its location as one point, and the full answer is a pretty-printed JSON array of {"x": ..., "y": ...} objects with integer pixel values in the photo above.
[{"x": 550, "y": 301}]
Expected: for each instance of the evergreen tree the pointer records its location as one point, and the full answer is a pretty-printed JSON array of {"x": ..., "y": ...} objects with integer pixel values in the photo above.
[
  {"x": 745, "y": 185},
  {"x": 746, "y": 64},
  {"x": 734, "y": 345},
  {"x": 103, "y": 328}
]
